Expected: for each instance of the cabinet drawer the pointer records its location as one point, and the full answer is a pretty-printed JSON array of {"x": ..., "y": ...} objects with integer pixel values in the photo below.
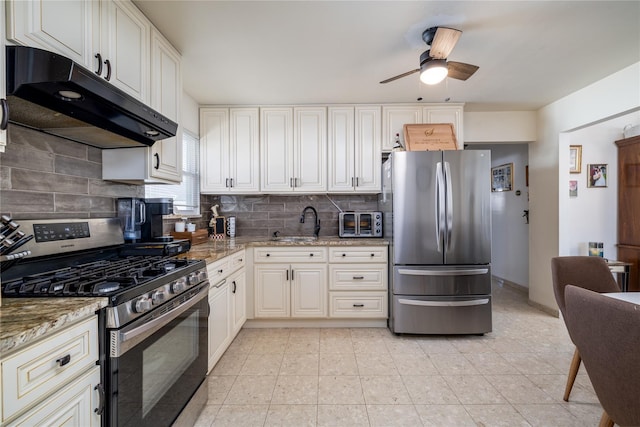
[
  {"x": 358, "y": 304},
  {"x": 73, "y": 405},
  {"x": 358, "y": 277},
  {"x": 44, "y": 367},
  {"x": 237, "y": 261},
  {"x": 358, "y": 254},
  {"x": 291, "y": 255},
  {"x": 218, "y": 270}
]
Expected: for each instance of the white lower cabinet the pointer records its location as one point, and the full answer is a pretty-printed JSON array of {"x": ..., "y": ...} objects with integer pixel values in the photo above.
[
  {"x": 73, "y": 405},
  {"x": 227, "y": 300},
  {"x": 358, "y": 282},
  {"x": 54, "y": 381},
  {"x": 290, "y": 289}
]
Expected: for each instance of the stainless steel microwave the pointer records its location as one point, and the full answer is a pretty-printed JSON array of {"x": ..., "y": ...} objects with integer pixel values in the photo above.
[{"x": 360, "y": 224}]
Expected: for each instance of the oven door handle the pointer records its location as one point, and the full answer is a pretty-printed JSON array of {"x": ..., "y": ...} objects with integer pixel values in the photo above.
[{"x": 127, "y": 340}]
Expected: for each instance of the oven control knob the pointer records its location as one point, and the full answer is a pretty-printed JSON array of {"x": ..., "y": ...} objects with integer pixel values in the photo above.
[
  {"x": 202, "y": 275},
  {"x": 178, "y": 286},
  {"x": 142, "y": 304},
  {"x": 193, "y": 278},
  {"x": 158, "y": 297}
]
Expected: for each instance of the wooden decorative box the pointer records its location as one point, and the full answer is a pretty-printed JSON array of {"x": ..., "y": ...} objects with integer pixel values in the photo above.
[
  {"x": 196, "y": 237},
  {"x": 430, "y": 137}
]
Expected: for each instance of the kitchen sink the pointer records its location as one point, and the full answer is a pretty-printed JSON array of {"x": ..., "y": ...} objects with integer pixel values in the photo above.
[{"x": 294, "y": 239}]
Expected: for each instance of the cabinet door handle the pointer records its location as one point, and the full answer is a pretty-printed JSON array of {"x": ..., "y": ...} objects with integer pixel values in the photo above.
[
  {"x": 295, "y": 182},
  {"x": 234, "y": 286},
  {"x": 157, "y": 157},
  {"x": 99, "y": 58},
  {"x": 108, "y": 64},
  {"x": 292, "y": 274},
  {"x": 231, "y": 181},
  {"x": 352, "y": 183},
  {"x": 226, "y": 182},
  {"x": 358, "y": 277},
  {"x": 357, "y": 182},
  {"x": 64, "y": 360},
  {"x": 100, "y": 409},
  {"x": 287, "y": 274},
  {"x": 5, "y": 114},
  {"x": 291, "y": 182},
  {"x": 358, "y": 305}
]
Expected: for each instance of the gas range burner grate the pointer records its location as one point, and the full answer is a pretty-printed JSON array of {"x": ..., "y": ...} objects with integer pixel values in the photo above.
[{"x": 96, "y": 278}]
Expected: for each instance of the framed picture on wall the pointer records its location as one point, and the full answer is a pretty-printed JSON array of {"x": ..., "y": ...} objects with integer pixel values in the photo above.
[
  {"x": 502, "y": 177},
  {"x": 573, "y": 188},
  {"x": 597, "y": 175},
  {"x": 575, "y": 158}
]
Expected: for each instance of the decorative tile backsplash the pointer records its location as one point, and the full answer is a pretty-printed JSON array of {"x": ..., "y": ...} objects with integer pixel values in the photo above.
[
  {"x": 263, "y": 215},
  {"x": 44, "y": 176}
]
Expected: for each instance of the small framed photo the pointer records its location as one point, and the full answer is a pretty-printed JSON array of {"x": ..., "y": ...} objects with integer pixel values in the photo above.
[
  {"x": 502, "y": 177},
  {"x": 597, "y": 175},
  {"x": 573, "y": 188},
  {"x": 575, "y": 158}
]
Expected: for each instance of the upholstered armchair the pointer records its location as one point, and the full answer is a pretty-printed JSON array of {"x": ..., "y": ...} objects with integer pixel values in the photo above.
[
  {"x": 588, "y": 272},
  {"x": 606, "y": 331}
]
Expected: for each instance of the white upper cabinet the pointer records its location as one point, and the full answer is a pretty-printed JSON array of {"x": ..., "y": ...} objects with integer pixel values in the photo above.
[
  {"x": 166, "y": 97},
  {"x": 162, "y": 162},
  {"x": 66, "y": 27},
  {"x": 293, "y": 149},
  {"x": 446, "y": 114},
  {"x": 229, "y": 150},
  {"x": 110, "y": 37},
  {"x": 354, "y": 149},
  {"x": 124, "y": 46},
  {"x": 394, "y": 117},
  {"x": 3, "y": 101}
]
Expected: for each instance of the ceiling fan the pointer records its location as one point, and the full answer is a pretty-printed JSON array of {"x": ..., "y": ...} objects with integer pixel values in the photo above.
[{"x": 434, "y": 66}]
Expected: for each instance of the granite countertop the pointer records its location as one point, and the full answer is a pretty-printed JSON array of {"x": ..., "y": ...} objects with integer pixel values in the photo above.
[
  {"x": 23, "y": 320},
  {"x": 214, "y": 250}
]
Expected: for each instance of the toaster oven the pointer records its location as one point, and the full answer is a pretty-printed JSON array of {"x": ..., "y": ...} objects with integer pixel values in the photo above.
[{"x": 360, "y": 224}]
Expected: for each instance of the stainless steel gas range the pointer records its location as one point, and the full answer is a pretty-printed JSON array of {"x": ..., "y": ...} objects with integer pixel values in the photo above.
[{"x": 153, "y": 333}]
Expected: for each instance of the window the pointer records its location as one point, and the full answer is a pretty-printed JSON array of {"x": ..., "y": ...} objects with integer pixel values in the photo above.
[{"x": 186, "y": 195}]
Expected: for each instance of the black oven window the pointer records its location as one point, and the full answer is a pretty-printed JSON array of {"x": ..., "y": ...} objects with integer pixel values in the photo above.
[{"x": 167, "y": 359}]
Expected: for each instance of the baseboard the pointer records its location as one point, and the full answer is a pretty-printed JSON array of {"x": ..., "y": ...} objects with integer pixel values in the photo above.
[
  {"x": 512, "y": 285},
  {"x": 315, "y": 323}
]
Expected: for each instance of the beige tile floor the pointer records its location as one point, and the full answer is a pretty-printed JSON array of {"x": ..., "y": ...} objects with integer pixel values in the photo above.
[{"x": 513, "y": 376}]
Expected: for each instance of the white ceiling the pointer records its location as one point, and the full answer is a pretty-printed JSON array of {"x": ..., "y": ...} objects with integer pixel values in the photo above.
[{"x": 530, "y": 53}]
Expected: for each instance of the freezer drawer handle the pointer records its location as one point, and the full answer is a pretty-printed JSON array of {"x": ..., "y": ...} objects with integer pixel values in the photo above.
[
  {"x": 465, "y": 272},
  {"x": 482, "y": 301}
]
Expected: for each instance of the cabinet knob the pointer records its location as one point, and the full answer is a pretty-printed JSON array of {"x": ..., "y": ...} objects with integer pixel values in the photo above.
[
  {"x": 220, "y": 271},
  {"x": 344, "y": 254},
  {"x": 310, "y": 254},
  {"x": 373, "y": 254},
  {"x": 268, "y": 254}
]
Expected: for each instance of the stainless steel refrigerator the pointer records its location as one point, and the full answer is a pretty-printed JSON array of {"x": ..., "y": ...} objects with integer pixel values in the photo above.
[{"x": 437, "y": 217}]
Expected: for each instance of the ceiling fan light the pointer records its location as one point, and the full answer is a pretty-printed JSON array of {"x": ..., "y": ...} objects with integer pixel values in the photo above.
[{"x": 434, "y": 71}]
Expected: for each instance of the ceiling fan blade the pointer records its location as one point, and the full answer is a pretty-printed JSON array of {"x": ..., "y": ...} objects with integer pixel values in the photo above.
[
  {"x": 444, "y": 40},
  {"x": 460, "y": 70},
  {"x": 399, "y": 76}
]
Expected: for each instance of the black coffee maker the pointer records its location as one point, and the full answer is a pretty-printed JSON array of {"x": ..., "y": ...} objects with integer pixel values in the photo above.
[{"x": 155, "y": 209}]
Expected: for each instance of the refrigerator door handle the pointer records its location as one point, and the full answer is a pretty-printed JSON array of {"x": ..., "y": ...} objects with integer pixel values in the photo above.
[
  {"x": 439, "y": 204},
  {"x": 421, "y": 303},
  {"x": 453, "y": 272},
  {"x": 449, "y": 223}
]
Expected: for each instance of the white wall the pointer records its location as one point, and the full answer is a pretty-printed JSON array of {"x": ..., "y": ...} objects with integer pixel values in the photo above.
[
  {"x": 509, "y": 231},
  {"x": 491, "y": 127},
  {"x": 591, "y": 216},
  {"x": 608, "y": 98}
]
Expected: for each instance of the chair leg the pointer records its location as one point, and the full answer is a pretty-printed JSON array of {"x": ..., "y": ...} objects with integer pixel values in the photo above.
[
  {"x": 573, "y": 371},
  {"x": 605, "y": 421}
]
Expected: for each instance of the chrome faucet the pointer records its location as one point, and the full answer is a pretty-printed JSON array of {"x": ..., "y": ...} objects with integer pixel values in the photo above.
[{"x": 316, "y": 229}]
